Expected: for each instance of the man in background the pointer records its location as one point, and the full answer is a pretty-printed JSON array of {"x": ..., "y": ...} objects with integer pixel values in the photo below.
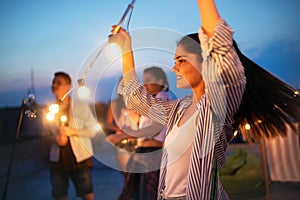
[{"x": 71, "y": 149}]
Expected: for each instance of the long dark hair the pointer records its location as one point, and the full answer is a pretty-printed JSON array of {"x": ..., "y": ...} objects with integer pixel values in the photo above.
[{"x": 268, "y": 104}]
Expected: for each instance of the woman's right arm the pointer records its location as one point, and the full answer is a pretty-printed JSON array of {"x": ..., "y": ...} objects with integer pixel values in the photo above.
[{"x": 123, "y": 39}]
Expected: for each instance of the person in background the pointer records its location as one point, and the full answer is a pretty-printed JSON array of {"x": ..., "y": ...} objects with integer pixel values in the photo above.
[
  {"x": 119, "y": 117},
  {"x": 71, "y": 149},
  {"x": 143, "y": 185}
]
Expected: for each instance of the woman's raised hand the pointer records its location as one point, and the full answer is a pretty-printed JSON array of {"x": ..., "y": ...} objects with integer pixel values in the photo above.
[{"x": 122, "y": 38}]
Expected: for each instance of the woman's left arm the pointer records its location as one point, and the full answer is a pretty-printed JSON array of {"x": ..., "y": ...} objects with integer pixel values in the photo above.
[{"x": 222, "y": 70}]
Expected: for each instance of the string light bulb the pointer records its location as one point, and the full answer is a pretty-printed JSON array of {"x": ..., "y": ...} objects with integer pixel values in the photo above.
[
  {"x": 97, "y": 127},
  {"x": 83, "y": 92},
  {"x": 112, "y": 50},
  {"x": 247, "y": 126},
  {"x": 124, "y": 141},
  {"x": 235, "y": 133},
  {"x": 50, "y": 116},
  {"x": 54, "y": 108},
  {"x": 63, "y": 120}
]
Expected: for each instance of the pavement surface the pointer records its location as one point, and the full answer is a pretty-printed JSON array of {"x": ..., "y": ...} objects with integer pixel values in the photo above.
[
  {"x": 29, "y": 178},
  {"x": 108, "y": 184}
]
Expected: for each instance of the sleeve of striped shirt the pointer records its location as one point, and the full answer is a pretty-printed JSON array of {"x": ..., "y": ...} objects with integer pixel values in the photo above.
[
  {"x": 222, "y": 72},
  {"x": 225, "y": 81},
  {"x": 136, "y": 98}
]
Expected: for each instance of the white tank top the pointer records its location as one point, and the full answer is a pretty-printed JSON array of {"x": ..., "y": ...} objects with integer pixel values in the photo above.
[{"x": 179, "y": 144}]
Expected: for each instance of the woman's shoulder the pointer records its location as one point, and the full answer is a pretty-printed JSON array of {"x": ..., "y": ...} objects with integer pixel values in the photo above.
[{"x": 186, "y": 100}]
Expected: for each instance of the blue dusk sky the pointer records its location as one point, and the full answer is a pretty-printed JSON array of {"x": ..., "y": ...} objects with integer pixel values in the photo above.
[{"x": 45, "y": 36}]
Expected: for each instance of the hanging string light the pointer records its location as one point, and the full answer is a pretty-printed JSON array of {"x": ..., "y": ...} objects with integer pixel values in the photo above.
[
  {"x": 50, "y": 116},
  {"x": 83, "y": 92},
  {"x": 111, "y": 49},
  {"x": 54, "y": 108}
]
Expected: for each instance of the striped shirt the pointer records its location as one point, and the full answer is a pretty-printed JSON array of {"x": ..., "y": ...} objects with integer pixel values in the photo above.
[{"x": 225, "y": 82}]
